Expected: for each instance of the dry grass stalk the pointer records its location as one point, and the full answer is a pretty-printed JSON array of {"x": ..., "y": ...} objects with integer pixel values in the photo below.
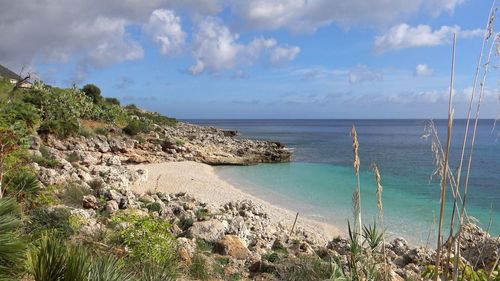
[
  {"x": 357, "y": 194},
  {"x": 487, "y": 36},
  {"x": 380, "y": 207},
  {"x": 471, "y": 150},
  {"x": 445, "y": 164}
]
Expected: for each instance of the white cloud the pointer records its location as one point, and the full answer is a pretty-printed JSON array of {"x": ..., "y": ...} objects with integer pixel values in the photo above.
[
  {"x": 283, "y": 54},
  {"x": 423, "y": 70},
  {"x": 361, "y": 73},
  {"x": 405, "y": 36},
  {"x": 216, "y": 48},
  {"x": 166, "y": 29},
  {"x": 93, "y": 32},
  {"x": 460, "y": 96},
  {"x": 308, "y": 15}
]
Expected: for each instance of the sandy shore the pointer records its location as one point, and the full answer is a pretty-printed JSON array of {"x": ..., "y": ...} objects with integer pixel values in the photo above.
[{"x": 200, "y": 181}]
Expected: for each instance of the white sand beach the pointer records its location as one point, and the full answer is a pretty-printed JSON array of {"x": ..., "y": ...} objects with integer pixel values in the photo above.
[{"x": 200, "y": 181}]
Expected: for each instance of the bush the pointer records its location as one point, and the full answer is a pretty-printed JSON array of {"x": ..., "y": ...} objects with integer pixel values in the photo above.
[
  {"x": 47, "y": 160},
  {"x": 23, "y": 114},
  {"x": 148, "y": 238},
  {"x": 93, "y": 92},
  {"x": 198, "y": 268},
  {"x": 11, "y": 246},
  {"x": 60, "y": 128},
  {"x": 135, "y": 127},
  {"x": 21, "y": 184},
  {"x": 53, "y": 260},
  {"x": 112, "y": 101},
  {"x": 73, "y": 157},
  {"x": 55, "y": 220}
]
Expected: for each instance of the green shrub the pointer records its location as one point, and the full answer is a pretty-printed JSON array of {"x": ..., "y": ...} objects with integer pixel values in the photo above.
[
  {"x": 21, "y": 184},
  {"x": 198, "y": 268},
  {"x": 53, "y": 260},
  {"x": 60, "y": 128},
  {"x": 73, "y": 157},
  {"x": 101, "y": 131},
  {"x": 154, "y": 207},
  {"x": 136, "y": 127},
  {"x": 11, "y": 246},
  {"x": 148, "y": 238},
  {"x": 307, "y": 268},
  {"x": 112, "y": 101},
  {"x": 72, "y": 194},
  {"x": 46, "y": 159},
  {"x": 56, "y": 220},
  {"x": 185, "y": 223},
  {"x": 204, "y": 246},
  {"x": 25, "y": 115},
  {"x": 93, "y": 92}
]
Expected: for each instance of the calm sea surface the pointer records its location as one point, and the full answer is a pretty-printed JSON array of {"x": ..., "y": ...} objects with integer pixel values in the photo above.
[{"x": 320, "y": 180}]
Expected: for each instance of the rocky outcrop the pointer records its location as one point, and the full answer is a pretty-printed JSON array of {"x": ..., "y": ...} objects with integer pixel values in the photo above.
[{"x": 180, "y": 143}]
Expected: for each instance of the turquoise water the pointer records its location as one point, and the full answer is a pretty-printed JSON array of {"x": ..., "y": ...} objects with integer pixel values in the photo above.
[{"x": 320, "y": 180}]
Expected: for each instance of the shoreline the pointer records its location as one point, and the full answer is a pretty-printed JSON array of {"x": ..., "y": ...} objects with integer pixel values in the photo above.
[{"x": 201, "y": 182}]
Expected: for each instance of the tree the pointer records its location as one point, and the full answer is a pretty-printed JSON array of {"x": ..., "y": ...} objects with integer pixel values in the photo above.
[{"x": 93, "y": 92}]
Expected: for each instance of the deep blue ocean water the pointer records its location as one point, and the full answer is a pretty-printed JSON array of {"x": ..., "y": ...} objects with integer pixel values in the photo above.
[{"x": 320, "y": 180}]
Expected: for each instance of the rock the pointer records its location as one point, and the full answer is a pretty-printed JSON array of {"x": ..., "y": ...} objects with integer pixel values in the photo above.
[
  {"x": 211, "y": 230},
  {"x": 399, "y": 245},
  {"x": 111, "y": 206},
  {"x": 146, "y": 199},
  {"x": 184, "y": 256},
  {"x": 232, "y": 245},
  {"x": 112, "y": 194},
  {"x": 90, "y": 202}
]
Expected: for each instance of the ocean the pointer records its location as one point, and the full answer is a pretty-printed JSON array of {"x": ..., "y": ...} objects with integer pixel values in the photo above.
[{"x": 320, "y": 180}]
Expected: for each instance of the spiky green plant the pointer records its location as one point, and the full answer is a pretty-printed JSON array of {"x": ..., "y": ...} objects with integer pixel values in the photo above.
[
  {"x": 47, "y": 260},
  {"x": 152, "y": 271},
  {"x": 373, "y": 237},
  {"x": 109, "y": 268},
  {"x": 77, "y": 264},
  {"x": 12, "y": 248}
]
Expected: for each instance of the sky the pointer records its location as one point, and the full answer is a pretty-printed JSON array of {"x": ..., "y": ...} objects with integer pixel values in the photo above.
[{"x": 194, "y": 59}]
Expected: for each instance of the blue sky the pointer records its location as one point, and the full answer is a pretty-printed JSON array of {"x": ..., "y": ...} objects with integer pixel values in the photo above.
[{"x": 256, "y": 58}]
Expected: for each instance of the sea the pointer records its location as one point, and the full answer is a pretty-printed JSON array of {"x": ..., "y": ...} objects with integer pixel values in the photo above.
[{"x": 319, "y": 181}]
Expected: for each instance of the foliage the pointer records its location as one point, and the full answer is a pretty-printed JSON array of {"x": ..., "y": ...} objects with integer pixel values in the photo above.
[
  {"x": 46, "y": 159},
  {"x": 198, "y": 268},
  {"x": 148, "y": 238},
  {"x": 151, "y": 117},
  {"x": 73, "y": 193},
  {"x": 21, "y": 117},
  {"x": 52, "y": 259},
  {"x": 465, "y": 272},
  {"x": 21, "y": 184},
  {"x": 152, "y": 271},
  {"x": 47, "y": 261},
  {"x": 8, "y": 146},
  {"x": 11, "y": 246},
  {"x": 307, "y": 268},
  {"x": 136, "y": 127},
  {"x": 203, "y": 246},
  {"x": 372, "y": 236},
  {"x": 93, "y": 92},
  {"x": 73, "y": 157},
  {"x": 55, "y": 220},
  {"x": 112, "y": 101}
]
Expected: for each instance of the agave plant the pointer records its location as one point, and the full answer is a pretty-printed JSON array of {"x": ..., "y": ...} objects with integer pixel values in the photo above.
[
  {"x": 53, "y": 260},
  {"x": 12, "y": 248}
]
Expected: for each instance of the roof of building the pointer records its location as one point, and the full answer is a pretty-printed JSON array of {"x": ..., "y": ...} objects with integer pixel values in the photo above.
[{"x": 7, "y": 73}]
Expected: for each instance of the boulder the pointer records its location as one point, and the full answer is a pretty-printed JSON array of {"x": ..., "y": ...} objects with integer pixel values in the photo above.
[
  {"x": 90, "y": 202},
  {"x": 233, "y": 246},
  {"x": 111, "y": 206},
  {"x": 211, "y": 230}
]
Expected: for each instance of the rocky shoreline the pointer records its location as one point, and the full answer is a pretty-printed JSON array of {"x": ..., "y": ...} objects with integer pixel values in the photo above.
[{"x": 240, "y": 231}]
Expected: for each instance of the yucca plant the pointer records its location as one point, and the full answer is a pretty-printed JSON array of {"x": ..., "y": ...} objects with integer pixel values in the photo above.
[
  {"x": 152, "y": 271},
  {"x": 77, "y": 264},
  {"x": 108, "y": 268},
  {"x": 12, "y": 248},
  {"x": 47, "y": 260},
  {"x": 372, "y": 236}
]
